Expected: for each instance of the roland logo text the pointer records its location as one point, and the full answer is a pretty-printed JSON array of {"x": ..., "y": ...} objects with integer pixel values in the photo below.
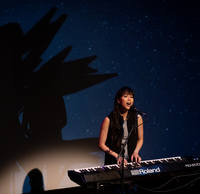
[{"x": 148, "y": 171}]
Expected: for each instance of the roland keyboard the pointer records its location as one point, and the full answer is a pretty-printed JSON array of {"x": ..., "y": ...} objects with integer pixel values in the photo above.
[{"x": 145, "y": 170}]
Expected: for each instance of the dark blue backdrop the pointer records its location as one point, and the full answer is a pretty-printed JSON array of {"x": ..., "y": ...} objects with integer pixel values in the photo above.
[{"x": 150, "y": 45}]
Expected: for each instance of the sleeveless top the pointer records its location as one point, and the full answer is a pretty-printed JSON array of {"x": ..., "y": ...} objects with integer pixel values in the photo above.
[{"x": 115, "y": 135}]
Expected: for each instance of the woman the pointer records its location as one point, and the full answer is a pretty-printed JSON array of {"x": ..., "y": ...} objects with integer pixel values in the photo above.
[{"x": 116, "y": 127}]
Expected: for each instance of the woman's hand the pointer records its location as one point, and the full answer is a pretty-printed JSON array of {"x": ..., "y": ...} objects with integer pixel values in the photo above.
[
  {"x": 136, "y": 156},
  {"x": 120, "y": 160}
]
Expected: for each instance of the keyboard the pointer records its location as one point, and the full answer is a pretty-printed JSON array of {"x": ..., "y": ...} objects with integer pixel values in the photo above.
[{"x": 134, "y": 172}]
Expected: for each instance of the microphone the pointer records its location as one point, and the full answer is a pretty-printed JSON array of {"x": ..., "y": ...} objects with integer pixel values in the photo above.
[{"x": 138, "y": 111}]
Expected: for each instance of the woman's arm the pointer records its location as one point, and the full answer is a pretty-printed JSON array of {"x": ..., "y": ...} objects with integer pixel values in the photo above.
[
  {"x": 102, "y": 141},
  {"x": 103, "y": 136},
  {"x": 139, "y": 142}
]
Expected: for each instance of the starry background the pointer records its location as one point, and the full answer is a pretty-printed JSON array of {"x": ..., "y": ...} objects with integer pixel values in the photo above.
[{"x": 153, "y": 46}]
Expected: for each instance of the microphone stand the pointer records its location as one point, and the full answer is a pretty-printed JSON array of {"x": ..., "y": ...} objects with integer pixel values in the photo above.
[
  {"x": 122, "y": 150},
  {"x": 122, "y": 176},
  {"x": 122, "y": 153}
]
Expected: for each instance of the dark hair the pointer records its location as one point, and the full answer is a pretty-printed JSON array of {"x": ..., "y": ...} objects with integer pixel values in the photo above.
[{"x": 115, "y": 114}]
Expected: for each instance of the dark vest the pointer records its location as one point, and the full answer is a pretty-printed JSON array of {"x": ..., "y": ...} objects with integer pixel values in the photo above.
[{"x": 114, "y": 137}]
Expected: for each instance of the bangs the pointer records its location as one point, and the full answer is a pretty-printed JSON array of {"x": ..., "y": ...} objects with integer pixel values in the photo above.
[
  {"x": 128, "y": 92},
  {"x": 125, "y": 90}
]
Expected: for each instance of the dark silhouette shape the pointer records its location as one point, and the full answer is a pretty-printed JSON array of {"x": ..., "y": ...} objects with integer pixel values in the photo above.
[
  {"x": 35, "y": 181},
  {"x": 44, "y": 111},
  {"x": 16, "y": 76},
  {"x": 36, "y": 94},
  {"x": 38, "y": 39}
]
